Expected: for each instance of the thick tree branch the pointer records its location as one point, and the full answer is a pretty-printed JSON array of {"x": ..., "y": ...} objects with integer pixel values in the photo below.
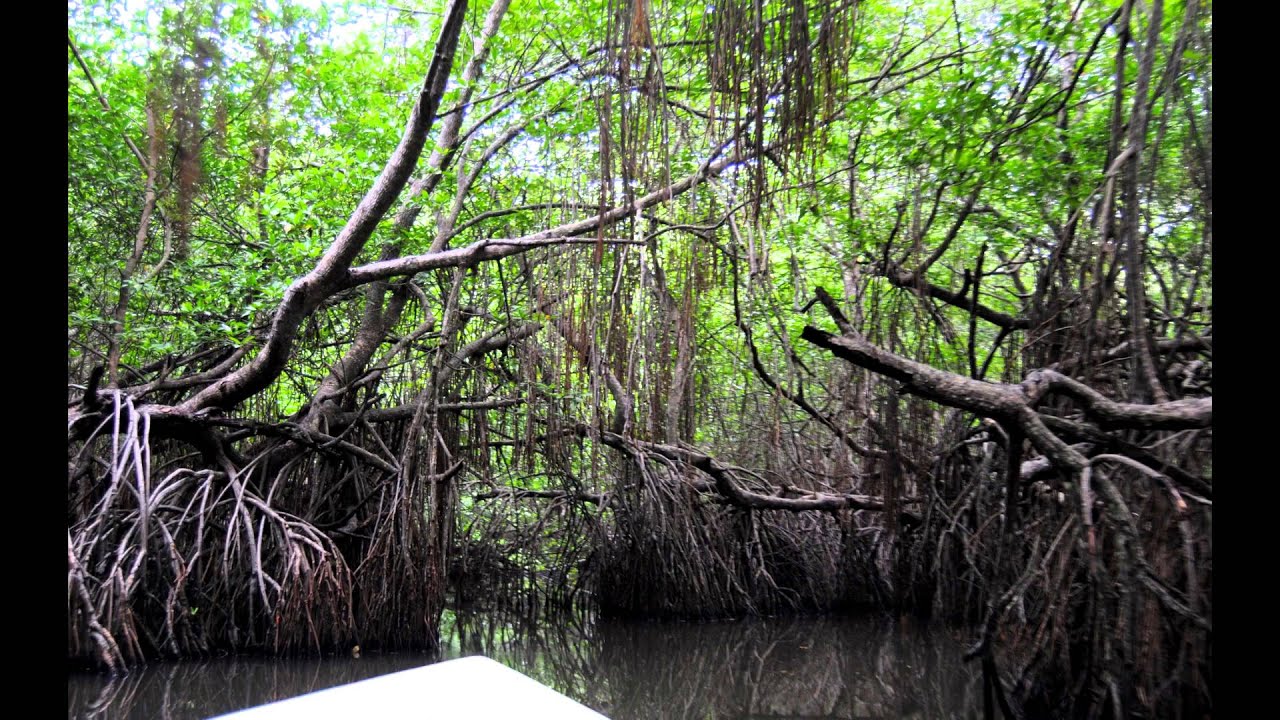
[
  {"x": 306, "y": 293},
  {"x": 1002, "y": 401},
  {"x": 903, "y": 278},
  {"x": 734, "y": 493}
]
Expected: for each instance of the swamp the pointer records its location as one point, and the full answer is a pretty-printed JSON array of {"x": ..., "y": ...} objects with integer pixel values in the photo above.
[{"x": 738, "y": 359}]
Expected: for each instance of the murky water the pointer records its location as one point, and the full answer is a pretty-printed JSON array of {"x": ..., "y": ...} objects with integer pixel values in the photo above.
[{"x": 832, "y": 668}]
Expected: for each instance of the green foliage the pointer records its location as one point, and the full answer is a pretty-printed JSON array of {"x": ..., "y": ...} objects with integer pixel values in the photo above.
[{"x": 930, "y": 107}]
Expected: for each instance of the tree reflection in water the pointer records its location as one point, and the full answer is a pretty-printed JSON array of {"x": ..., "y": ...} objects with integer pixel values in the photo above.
[{"x": 819, "y": 667}]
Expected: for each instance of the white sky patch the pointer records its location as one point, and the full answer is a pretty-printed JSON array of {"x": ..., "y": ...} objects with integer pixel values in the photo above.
[{"x": 344, "y": 28}]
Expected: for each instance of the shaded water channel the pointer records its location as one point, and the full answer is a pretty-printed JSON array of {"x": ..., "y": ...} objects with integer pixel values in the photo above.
[{"x": 776, "y": 669}]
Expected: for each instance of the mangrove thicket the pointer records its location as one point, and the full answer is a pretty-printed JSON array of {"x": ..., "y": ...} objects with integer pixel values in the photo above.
[{"x": 650, "y": 308}]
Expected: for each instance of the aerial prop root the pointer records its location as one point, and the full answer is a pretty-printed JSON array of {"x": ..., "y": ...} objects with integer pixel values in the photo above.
[{"x": 194, "y": 559}]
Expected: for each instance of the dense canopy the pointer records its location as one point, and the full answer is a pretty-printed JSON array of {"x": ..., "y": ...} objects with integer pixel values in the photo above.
[{"x": 655, "y": 308}]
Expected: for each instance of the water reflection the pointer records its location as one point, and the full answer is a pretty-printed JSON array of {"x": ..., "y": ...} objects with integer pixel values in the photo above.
[
  {"x": 804, "y": 668},
  {"x": 778, "y": 669},
  {"x": 201, "y": 689},
  {"x": 753, "y": 669}
]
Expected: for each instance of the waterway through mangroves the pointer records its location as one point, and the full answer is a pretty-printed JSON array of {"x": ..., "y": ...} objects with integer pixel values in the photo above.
[{"x": 779, "y": 668}]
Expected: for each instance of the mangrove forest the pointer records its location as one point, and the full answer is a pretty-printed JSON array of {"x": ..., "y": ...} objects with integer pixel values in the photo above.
[{"x": 383, "y": 311}]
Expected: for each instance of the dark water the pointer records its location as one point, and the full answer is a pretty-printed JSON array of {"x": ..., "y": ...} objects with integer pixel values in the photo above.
[{"x": 798, "y": 668}]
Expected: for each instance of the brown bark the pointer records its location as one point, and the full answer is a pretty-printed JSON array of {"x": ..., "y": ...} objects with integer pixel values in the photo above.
[
  {"x": 1003, "y": 401},
  {"x": 1144, "y": 385},
  {"x": 906, "y": 279},
  {"x": 729, "y": 488},
  {"x": 306, "y": 293},
  {"x": 135, "y": 258}
]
